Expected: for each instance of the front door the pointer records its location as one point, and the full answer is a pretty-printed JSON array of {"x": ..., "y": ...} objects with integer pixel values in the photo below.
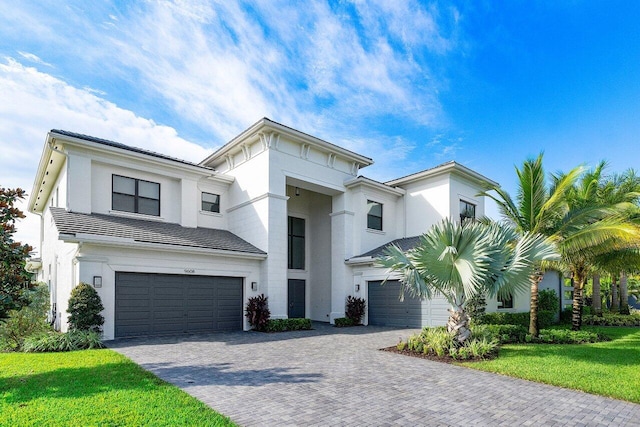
[{"x": 296, "y": 298}]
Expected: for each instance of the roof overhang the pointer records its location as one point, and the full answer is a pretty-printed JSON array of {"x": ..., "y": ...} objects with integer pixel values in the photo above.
[
  {"x": 451, "y": 168},
  {"x": 119, "y": 242},
  {"x": 266, "y": 125},
  {"x": 367, "y": 182}
]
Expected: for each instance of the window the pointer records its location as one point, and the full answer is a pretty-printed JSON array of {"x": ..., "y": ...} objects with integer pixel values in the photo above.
[
  {"x": 374, "y": 215},
  {"x": 210, "y": 202},
  {"x": 135, "y": 195},
  {"x": 505, "y": 302},
  {"x": 467, "y": 211},
  {"x": 296, "y": 243}
]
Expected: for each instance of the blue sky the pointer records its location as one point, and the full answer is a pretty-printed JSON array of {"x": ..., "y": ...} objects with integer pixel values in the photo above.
[{"x": 410, "y": 84}]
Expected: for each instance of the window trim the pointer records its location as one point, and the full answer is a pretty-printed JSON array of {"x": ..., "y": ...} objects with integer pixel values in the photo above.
[
  {"x": 462, "y": 219},
  {"x": 202, "y": 193},
  {"x": 502, "y": 306},
  {"x": 369, "y": 214},
  {"x": 136, "y": 196}
]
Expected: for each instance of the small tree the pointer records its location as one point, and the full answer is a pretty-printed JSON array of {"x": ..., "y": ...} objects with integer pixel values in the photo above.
[
  {"x": 257, "y": 311},
  {"x": 84, "y": 309},
  {"x": 13, "y": 277},
  {"x": 29, "y": 320},
  {"x": 355, "y": 309},
  {"x": 476, "y": 306}
]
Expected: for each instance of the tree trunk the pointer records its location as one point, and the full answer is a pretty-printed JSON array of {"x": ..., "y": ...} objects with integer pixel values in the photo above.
[
  {"x": 458, "y": 325},
  {"x": 576, "y": 314},
  {"x": 624, "y": 294},
  {"x": 533, "y": 311},
  {"x": 615, "y": 298},
  {"x": 597, "y": 296}
]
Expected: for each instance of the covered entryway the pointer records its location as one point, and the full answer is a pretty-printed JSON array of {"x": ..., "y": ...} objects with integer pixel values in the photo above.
[
  {"x": 160, "y": 304},
  {"x": 386, "y": 309}
]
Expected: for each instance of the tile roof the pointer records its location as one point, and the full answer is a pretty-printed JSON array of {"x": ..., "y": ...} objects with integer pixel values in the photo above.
[
  {"x": 124, "y": 147},
  {"x": 150, "y": 231},
  {"x": 404, "y": 243}
]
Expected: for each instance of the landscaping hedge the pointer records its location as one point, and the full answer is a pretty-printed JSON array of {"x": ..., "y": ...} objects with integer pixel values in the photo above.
[
  {"x": 546, "y": 318},
  {"x": 609, "y": 319},
  {"x": 282, "y": 325},
  {"x": 342, "y": 322}
]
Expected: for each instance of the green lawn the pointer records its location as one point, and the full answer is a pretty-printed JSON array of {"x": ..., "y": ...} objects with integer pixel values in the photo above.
[
  {"x": 90, "y": 388},
  {"x": 608, "y": 368}
]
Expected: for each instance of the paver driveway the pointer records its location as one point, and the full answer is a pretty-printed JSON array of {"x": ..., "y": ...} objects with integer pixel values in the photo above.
[{"x": 333, "y": 376}]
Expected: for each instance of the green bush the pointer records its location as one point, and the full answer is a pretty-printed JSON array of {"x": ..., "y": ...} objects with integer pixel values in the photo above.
[
  {"x": 548, "y": 301},
  {"x": 258, "y": 313},
  {"x": 55, "y": 341},
  {"x": 610, "y": 319},
  {"x": 283, "y": 325},
  {"x": 566, "y": 336},
  {"x": 84, "y": 309},
  {"x": 28, "y": 320},
  {"x": 354, "y": 309},
  {"x": 566, "y": 315},
  {"x": 475, "y": 306},
  {"x": 439, "y": 342},
  {"x": 504, "y": 334},
  {"x": 545, "y": 319},
  {"x": 475, "y": 349},
  {"x": 342, "y": 322}
]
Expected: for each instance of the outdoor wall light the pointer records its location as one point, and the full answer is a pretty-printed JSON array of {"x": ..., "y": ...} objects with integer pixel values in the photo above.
[
  {"x": 254, "y": 286},
  {"x": 97, "y": 281},
  {"x": 297, "y": 191},
  {"x": 357, "y": 287}
]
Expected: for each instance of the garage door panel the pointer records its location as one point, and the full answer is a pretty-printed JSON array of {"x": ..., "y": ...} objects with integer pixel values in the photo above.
[
  {"x": 156, "y": 304},
  {"x": 386, "y": 309}
]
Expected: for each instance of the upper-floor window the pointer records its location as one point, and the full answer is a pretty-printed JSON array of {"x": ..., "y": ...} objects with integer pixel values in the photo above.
[
  {"x": 467, "y": 211},
  {"x": 374, "y": 215},
  {"x": 210, "y": 202},
  {"x": 505, "y": 301},
  {"x": 135, "y": 195},
  {"x": 296, "y": 252}
]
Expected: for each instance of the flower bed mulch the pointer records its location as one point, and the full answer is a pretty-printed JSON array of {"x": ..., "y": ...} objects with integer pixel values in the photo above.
[{"x": 435, "y": 358}]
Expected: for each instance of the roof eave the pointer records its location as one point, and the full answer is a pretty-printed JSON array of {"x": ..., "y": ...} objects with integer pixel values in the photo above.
[
  {"x": 451, "y": 167},
  {"x": 360, "y": 180}
]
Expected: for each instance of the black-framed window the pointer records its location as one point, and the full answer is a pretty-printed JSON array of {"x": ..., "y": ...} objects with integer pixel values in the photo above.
[
  {"x": 296, "y": 252},
  {"x": 210, "y": 202},
  {"x": 467, "y": 211},
  {"x": 507, "y": 301},
  {"x": 135, "y": 195},
  {"x": 374, "y": 215}
]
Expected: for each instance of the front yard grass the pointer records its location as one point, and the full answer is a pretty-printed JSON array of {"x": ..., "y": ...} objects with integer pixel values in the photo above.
[
  {"x": 92, "y": 387},
  {"x": 607, "y": 368}
]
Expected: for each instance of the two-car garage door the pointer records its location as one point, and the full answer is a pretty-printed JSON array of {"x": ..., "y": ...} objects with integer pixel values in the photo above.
[{"x": 159, "y": 304}]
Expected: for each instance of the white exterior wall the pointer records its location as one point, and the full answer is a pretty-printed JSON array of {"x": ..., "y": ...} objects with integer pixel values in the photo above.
[
  {"x": 462, "y": 189},
  {"x": 105, "y": 261},
  {"x": 426, "y": 202}
]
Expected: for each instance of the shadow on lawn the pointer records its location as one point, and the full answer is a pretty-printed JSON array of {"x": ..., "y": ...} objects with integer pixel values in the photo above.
[{"x": 224, "y": 374}]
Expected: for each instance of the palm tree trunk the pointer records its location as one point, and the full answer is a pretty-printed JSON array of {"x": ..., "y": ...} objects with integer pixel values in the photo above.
[
  {"x": 533, "y": 311},
  {"x": 458, "y": 325},
  {"x": 597, "y": 297},
  {"x": 615, "y": 298},
  {"x": 624, "y": 294},
  {"x": 578, "y": 286}
]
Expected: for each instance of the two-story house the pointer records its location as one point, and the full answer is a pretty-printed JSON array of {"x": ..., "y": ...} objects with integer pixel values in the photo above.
[{"x": 172, "y": 246}]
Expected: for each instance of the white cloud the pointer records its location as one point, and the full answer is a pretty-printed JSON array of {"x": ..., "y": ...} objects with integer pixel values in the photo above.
[
  {"x": 35, "y": 102},
  {"x": 33, "y": 58}
]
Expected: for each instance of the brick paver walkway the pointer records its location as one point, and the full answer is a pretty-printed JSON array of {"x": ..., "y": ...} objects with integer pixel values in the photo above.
[{"x": 338, "y": 377}]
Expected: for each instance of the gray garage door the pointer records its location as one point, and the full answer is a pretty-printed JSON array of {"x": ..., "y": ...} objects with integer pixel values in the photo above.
[
  {"x": 160, "y": 304},
  {"x": 386, "y": 309}
]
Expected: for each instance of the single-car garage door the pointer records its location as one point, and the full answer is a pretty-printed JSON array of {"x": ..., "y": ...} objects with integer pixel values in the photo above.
[
  {"x": 160, "y": 304},
  {"x": 386, "y": 309}
]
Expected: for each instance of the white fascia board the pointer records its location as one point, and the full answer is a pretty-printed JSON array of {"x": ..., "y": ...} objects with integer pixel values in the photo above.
[
  {"x": 451, "y": 167},
  {"x": 116, "y": 242},
  {"x": 180, "y": 167},
  {"x": 265, "y": 124},
  {"x": 359, "y": 260},
  {"x": 46, "y": 175},
  {"x": 366, "y": 182}
]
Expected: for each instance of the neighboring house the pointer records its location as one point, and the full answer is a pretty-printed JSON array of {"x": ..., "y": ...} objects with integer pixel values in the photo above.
[{"x": 172, "y": 246}]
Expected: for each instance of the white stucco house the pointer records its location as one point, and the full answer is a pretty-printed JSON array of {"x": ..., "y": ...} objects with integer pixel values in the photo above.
[{"x": 172, "y": 246}]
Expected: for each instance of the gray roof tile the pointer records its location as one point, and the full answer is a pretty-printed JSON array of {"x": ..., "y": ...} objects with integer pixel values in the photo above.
[
  {"x": 404, "y": 243},
  {"x": 150, "y": 231}
]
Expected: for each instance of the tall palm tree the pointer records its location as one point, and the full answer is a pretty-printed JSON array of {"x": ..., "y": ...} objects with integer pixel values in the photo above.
[
  {"x": 538, "y": 205},
  {"x": 459, "y": 261}
]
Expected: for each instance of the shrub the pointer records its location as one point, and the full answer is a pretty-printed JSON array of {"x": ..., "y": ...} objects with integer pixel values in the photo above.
[
  {"x": 257, "y": 311},
  {"x": 611, "y": 319},
  {"x": 548, "y": 301},
  {"x": 84, "y": 309},
  {"x": 504, "y": 334},
  {"x": 283, "y": 325},
  {"x": 475, "y": 306},
  {"x": 545, "y": 319},
  {"x": 566, "y": 315},
  {"x": 439, "y": 342},
  {"x": 475, "y": 349},
  {"x": 28, "y": 320},
  {"x": 565, "y": 336},
  {"x": 355, "y": 309},
  {"x": 342, "y": 322},
  {"x": 55, "y": 341}
]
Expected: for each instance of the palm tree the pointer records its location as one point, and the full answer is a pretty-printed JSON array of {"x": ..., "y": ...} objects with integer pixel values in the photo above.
[
  {"x": 459, "y": 261},
  {"x": 538, "y": 205}
]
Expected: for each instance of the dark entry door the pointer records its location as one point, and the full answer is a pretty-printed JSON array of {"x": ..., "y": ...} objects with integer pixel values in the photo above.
[{"x": 296, "y": 298}]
